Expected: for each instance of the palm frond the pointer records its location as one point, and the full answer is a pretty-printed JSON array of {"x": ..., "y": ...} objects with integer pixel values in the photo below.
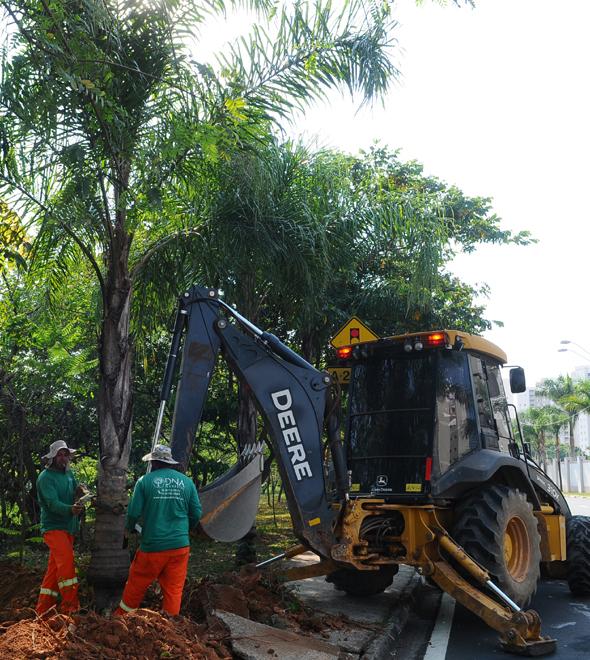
[{"x": 311, "y": 51}]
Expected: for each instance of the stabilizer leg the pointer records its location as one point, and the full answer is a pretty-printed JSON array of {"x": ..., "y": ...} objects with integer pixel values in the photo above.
[{"x": 520, "y": 631}]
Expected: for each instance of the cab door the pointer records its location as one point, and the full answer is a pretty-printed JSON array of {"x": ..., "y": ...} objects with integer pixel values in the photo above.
[{"x": 491, "y": 403}]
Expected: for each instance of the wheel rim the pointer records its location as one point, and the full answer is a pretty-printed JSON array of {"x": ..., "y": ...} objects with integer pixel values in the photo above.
[{"x": 516, "y": 549}]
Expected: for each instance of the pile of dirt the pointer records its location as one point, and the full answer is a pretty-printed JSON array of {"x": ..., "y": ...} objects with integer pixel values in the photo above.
[
  {"x": 144, "y": 634},
  {"x": 255, "y": 596},
  {"x": 197, "y": 633},
  {"x": 19, "y": 590}
]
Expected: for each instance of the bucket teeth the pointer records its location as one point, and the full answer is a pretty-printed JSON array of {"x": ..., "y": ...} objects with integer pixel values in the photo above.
[{"x": 250, "y": 451}]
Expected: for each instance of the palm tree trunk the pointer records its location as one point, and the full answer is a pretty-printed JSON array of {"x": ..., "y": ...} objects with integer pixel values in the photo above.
[
  {"x": 558, "y": 453},
  {"x": 572, "y": 439},
  {"x": 307, "y": 346},
  {"x": 109, "y": 562}
]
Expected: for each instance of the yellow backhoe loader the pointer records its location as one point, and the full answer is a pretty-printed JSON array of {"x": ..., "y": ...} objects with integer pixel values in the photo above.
[{"x": 429, "y": 473}]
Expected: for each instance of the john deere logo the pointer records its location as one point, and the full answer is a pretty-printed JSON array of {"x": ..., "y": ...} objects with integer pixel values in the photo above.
[{"x": 382, "y": 480}]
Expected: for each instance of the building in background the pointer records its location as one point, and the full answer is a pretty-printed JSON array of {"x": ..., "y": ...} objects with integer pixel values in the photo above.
[{"x": 531, "y": 399}]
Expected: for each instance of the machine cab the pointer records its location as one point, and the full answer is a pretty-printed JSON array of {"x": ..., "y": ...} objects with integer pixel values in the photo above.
[{"x": 418, "y": 404}]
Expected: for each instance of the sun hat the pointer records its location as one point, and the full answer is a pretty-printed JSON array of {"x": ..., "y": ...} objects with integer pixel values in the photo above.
[
  {"x": 54, "y": 447},
  {"x": 160, "y": 453}
]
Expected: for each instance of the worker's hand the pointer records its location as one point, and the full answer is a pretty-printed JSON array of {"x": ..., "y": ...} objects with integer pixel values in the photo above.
[{"x": 77, "y": 509}]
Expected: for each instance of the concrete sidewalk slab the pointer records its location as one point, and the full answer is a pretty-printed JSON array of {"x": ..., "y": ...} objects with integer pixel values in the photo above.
[
  {"x": 373, "y": 623},
  {"x": 255, "y": 641}
]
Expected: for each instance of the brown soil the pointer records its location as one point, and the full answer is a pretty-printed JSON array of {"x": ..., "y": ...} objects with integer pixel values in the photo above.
[{"x": 145, "y": 634}]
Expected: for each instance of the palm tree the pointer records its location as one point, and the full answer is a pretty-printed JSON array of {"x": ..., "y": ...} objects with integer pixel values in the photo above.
[
  {"x": 560, "y": 390},
  {"x": 581, "y": 394},
  {"x": 535, "y": 423},
  {"x": 101, "y": 106},
  {"x": 557, "y": 418},
  {"x": 579, "y": 401}
]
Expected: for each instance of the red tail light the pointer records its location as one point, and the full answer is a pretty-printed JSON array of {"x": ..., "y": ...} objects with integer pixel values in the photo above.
[
  {"x": 428, "y": 469},
  {"x": 344, "y": 351},
  {"x": 435, "y": 339}
]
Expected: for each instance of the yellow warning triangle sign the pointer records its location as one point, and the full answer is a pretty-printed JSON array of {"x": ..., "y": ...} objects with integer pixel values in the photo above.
[{"x": 353, "y": 332}]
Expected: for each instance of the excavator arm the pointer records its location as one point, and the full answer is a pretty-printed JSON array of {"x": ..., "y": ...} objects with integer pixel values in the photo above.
[{"x": 292, "y": 397}]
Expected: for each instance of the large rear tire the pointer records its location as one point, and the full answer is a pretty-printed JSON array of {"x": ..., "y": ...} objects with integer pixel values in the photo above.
[
  {"x": 497, "y": 527},
  {"x": 363, "y": 583},
  {"x": 578, "y": 555}
]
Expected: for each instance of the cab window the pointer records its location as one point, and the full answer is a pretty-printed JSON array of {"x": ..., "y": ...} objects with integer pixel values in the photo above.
[
  {"x": 456, "y": 425},
  {"x": 487, "y": 423},
  {"x": 499, "y": 406}
]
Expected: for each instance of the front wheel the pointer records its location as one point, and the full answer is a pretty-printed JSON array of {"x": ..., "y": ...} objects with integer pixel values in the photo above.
[
  {"x": 363, "y": 583},
  {"x": 578, "y": 555},
  {"x": 497, "y": 527}
]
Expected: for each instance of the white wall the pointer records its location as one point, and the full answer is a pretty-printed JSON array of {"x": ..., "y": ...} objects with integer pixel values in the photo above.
[{"x": 570, "y": 474}]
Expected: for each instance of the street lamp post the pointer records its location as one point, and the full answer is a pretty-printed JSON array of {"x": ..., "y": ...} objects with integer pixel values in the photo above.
[
  {"x": 567, "y": 341},
  {"x": 571, "y": 350}
]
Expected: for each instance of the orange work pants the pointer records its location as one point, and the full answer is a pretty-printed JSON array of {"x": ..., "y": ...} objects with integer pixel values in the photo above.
[
  {"x": 60, "y": 577},
  {"x": 168, "y": 567}
]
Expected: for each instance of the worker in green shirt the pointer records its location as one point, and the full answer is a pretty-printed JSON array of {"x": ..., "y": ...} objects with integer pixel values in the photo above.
[
  {"x": 57, "y": 491},
  {"x": 167, "y": 505}
]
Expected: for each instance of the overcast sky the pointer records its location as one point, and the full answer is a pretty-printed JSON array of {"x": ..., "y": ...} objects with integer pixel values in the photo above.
[{"x": 494, "y": 100}]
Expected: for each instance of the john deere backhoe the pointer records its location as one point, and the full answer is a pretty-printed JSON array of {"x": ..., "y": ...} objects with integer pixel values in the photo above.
[{"x": 429, "y": 473}]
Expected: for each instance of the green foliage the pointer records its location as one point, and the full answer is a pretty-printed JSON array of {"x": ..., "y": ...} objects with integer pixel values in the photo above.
[
  {"x": 9, "y": 531},
  {"x": 47, "y": 381},
  {"x": 13, "y": 242},
  {"x": 132, "y": 169},
  {"x": 579, "y": 400},
  {"x": 308, "y": 50},
  {"x": 535, "y": 424},
  {"x": 569, "y": 399},
  {"x": 85, "y": 470}
]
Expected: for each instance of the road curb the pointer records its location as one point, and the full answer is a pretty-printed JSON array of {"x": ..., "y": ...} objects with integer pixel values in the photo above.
[
  {"x": 373, "y": 624},
  {"x": 380, "y": 646}
]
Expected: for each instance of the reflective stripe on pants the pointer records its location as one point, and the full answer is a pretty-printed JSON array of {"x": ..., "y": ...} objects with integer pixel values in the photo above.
[
  {"x": 60, "y": 575},
  {"x": 126, "y": 608},
  {"x": 168, "y": 567}
]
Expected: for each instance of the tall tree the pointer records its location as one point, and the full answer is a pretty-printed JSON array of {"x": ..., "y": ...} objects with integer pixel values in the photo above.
[
  {"x": 390, "y": 233},
  {"x": 581, "y": 395},
  {"x": 561, "y": 390},
  {"x": 536, "y": 424},
  {"x": 557, "y": 419},
  {"x": 101, "y": 104},
  {"x": 578, "y": 403}
]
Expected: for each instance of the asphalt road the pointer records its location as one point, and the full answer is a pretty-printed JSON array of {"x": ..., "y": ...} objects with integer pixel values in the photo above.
[
  {"x": 565, "y": 618},
  {"x": 460, "y": 635},
  {"x": 580, "y": 506}
]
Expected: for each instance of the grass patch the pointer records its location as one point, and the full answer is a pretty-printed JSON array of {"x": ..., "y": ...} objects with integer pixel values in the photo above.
[
  {"x": 576, "y": 494},
  {"x": 208, "y": 558},
  {"x": 275, "y": 535}
]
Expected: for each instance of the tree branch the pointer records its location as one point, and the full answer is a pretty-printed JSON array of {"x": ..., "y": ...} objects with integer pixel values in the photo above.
[
  {"x": 86, "y": 251},
  {"x": 156, "y": 247}
]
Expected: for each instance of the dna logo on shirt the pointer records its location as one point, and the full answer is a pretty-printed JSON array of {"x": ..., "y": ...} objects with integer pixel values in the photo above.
[{"x": 169, "y": 488}]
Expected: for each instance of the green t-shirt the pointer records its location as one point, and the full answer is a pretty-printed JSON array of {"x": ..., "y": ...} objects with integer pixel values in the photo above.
[
  {"x": 55, "y": 492},
  {"x": 167, "y": 505}
]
